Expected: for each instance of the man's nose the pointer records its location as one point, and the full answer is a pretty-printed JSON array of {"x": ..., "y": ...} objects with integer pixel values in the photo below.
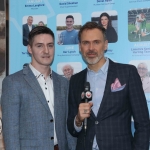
[{"x": 46, "y": 49}]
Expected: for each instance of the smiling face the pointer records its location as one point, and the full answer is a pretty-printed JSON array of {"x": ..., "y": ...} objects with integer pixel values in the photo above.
[
  {"x": 104, "y": 21},
  {"x": 69, "y": 23},
  {"x": 142, "y": 70},
  {"x": 92, "y": 47},
  {"x": 42, "y": 50},
  {"x": 68, "y": 71}
]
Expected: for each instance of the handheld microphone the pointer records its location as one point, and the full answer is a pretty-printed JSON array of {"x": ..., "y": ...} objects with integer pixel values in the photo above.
[{"x": 87, "y": 97}]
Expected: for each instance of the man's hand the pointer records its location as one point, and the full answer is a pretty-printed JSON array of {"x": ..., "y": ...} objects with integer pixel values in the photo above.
[{"x": 84, "y": 111}]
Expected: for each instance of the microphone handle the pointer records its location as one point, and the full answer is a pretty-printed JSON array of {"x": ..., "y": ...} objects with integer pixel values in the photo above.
[{"x": 85, "y": 120}]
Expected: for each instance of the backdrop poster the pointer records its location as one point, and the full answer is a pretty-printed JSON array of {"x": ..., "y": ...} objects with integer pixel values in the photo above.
[{"x": 131, "y": 46}]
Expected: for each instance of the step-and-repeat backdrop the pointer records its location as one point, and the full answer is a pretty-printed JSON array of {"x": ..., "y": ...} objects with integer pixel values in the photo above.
[{"x": 129, "y": 21}]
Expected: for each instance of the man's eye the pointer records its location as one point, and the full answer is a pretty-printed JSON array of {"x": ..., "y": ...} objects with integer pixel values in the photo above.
[
  {"x": 51, "y": 45},
  {"x": 85, "y": 43},
  {"x": 96, "y": 42},
  {"x": 39, "y": 45}
]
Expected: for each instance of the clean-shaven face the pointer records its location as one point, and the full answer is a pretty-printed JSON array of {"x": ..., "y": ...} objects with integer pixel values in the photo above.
[
  {"x": 42, "y": 50},
  {"x": 69, "y": 23}
]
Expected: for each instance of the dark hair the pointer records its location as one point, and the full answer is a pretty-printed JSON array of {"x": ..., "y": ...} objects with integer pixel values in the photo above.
[
  {"x": 39, "y": 30},
  {"x": 109, "y": 19},
  {"x": 90, "y": 26},
  {"x": 70, "y": 16}
]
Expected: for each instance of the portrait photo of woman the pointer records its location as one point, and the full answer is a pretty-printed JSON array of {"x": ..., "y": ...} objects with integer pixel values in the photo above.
[{"x": 105, "y": 21}]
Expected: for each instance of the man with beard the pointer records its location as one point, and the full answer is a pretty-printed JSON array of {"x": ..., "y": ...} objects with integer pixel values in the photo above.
[
  {"x": 117, "y": 95},
  {"x": 68, "y": 71},
  {"x": 70, "y": 35},
  {"x": 143, "y": 72}
]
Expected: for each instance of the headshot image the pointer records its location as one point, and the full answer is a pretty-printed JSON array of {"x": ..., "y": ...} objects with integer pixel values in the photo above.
[
  {"x": 144, "y": 72},
  {"x": 30, "y": 22},
  {"x": 41, "y": 23},
  {"x": 68, "y": 26},
  {"x": 108, "y": 20},
  {"x": 67, "y": 69},
  {"x": 139, "y": 25},
  {"x": 145, "y": 76}
]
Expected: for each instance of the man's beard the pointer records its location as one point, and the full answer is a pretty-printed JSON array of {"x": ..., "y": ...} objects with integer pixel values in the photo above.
[{"x": 92, "y": 61}]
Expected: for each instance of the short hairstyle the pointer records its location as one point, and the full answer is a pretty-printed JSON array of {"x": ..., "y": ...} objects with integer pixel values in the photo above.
[
  {"x": 69, "y": 16},
  {"x": 90, "y": 26},
  {"x": 39, "y": 30},
  {"x": 30, "y": 17},
  {"x": 67, "y": 66},
  {"x": 41, "y": 22}
]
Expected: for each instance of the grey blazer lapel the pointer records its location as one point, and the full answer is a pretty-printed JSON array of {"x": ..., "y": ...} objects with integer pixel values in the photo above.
[
  {"x": 56, "y": 85},
  {"x": 32, "y": 81}
]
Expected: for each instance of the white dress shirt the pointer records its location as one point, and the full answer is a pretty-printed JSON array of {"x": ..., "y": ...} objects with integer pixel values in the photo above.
[{"x": 47, "y": 88}]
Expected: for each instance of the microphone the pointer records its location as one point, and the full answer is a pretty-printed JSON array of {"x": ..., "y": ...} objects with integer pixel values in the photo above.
[{"x": 87, "y": 97}]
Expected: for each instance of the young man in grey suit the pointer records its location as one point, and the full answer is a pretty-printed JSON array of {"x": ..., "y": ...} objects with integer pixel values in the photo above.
[
  {"x": 117, "y": 95},
  {"x": 34, "y": 101}
]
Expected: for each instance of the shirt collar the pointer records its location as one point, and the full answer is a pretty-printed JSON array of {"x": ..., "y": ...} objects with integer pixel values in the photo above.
[
  {"x": 103, "y": 69},
  {"x": 37, "y": 73}
]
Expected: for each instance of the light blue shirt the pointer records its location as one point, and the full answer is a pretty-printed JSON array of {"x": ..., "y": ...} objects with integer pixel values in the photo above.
[
  {"x": 97, "y": 82},
  {"x": 69, "y": 37}
]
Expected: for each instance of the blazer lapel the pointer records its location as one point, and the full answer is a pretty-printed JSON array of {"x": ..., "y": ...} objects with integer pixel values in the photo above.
[
  {"x": 56, "y": 85},
  {"x": 111, "y": 76},
  {"x": 32, "y": 81}
]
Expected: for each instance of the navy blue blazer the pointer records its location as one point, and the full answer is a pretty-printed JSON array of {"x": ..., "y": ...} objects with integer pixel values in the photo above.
[
  {"x": 26, "y": 33},
  {"x": 112, "y": 126}
]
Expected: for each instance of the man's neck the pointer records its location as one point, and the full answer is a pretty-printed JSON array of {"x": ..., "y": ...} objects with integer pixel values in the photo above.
[
  {"x": 45, "y": 70},
  {"x": 70, "y": 29},
  {"x": 97, "y": 66}
]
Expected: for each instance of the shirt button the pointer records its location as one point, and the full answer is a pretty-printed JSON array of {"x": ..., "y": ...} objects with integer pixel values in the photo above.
[
  {"x": 48, "y": 101},
  {"x": 46, "y": 88},
  {"x": 52, "y": 138},
  {"x": 51, "y": 120},
  {"x": 96, "y": 122}
]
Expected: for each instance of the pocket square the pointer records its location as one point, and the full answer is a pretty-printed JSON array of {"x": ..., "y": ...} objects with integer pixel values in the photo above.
[{"x": 116, "y": 86}]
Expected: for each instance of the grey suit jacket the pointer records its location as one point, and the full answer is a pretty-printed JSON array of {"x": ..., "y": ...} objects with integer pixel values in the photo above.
[{"x": 27, "y": 121}]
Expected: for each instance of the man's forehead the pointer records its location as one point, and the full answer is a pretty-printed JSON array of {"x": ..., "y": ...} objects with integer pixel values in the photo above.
[{"x": 43, "y": 38}]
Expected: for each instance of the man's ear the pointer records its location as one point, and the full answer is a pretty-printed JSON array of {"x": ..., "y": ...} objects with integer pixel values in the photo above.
[
  {"x": 80, "y": 47},
  {"x": 106, "y": 45},
  {"x": 29, "y": 49}
]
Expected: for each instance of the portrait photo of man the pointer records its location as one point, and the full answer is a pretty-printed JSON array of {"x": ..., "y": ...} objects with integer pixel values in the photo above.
[
  {"x": 68, "y": 32},
  {"x": 68, "y": 71},
  {"x": 27, "y": 27}
]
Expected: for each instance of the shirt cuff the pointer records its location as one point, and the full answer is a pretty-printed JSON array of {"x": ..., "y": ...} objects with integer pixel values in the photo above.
[{"x": 78, "y": 129}]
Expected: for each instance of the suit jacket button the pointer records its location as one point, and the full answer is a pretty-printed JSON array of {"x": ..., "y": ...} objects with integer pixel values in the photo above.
[
  {"x": 96, "y": 122},
  {"x": 51, "y": 120},
  {"x": 52, "y": 138}
]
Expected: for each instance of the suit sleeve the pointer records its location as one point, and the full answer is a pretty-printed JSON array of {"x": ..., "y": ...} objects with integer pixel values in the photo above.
[
  {"x": 10, "y": 114},
  {"x": 71, "y": 140},
  {"x": 140, "y": 111},
  {"x": 25, "y": 38}
]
